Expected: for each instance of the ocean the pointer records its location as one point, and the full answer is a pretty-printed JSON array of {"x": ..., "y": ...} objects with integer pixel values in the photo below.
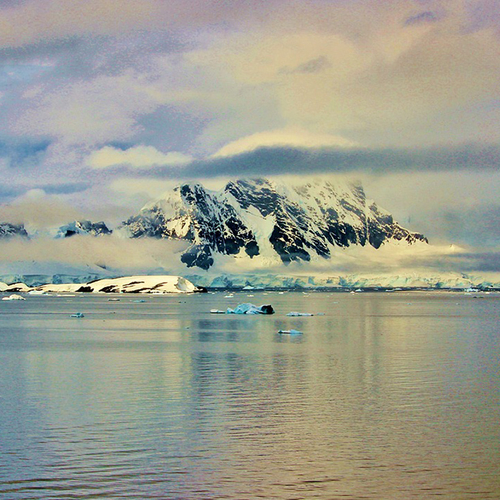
[{"x": 382, "y": 396}]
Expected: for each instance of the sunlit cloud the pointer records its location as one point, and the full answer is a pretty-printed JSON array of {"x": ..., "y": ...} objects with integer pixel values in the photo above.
[
  {"x": 293, "y": 137},
  {"x": 136, "y": 157}
]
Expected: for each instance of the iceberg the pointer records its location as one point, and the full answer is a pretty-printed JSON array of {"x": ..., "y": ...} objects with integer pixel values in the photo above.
[
  {"x": 13, "y": 297},
  {"x": 290, "y": 332},
  {"x": 251, "y": 309},
  {"x": 77, "y": 315},
  {"x": 295, "y": 313}
]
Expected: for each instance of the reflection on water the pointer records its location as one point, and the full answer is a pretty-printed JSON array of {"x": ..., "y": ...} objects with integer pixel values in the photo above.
[{"x": 384, "y": 396}]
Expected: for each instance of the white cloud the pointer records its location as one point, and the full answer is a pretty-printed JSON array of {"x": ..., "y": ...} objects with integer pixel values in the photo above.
[
  {"x": 291, "y": 136},
  {"x": 136, "y": 157}
]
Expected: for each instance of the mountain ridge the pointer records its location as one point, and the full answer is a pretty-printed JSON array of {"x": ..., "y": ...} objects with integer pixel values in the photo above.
[{"x": 259, "y": 217}]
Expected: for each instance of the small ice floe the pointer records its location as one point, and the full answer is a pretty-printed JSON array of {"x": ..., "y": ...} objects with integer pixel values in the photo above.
[
  {"x": 78, "y": 315},
  {"x": 140, "y": 301},
  {"x": 230, "y": 296},
  {"x": 295, "y": 313},
  {"x": 36, "y": 292},
  {"x": 217, "y": 311},
  {"x": 251, "y": 309},
  {"x": 290, "y": 332},
  {"x": 14, "y": 297},
  {"x": 113, "y": 300}
]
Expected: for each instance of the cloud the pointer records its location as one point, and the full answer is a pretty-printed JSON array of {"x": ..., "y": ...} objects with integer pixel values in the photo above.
[
  {"x": 133, "y": 71},
  {"x": 134, "y": 256},
  {"x": 110, "y": 252},
  {"x": 277, "y": 160},
  {"x": 136, "y": 157},
  {"x": 39, "y": 210},
  {"x": 478, "y": 261},
  {"x": 461, "y": 208},
  {"x": 313, "y": 66},
  {"x": 422, "y": 17},
  {"x": 60, "y": 19},
  {"x": 385, "y": 84},
  {"x": 92, "y": 111},
  {"x": 292, "y": 137},
  {"x": 20, "y": 153}
]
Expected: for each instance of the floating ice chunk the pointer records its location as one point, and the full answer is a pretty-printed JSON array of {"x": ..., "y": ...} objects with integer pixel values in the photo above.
[
  {"x": 251, "y": 309},
  {"x": 13, "y": 297},
  {"x": 295, "y": 313},
  {"x": 78, "y": 315},
  {"x": 217, "y": 311},
  {"x": 290, "y": 332},
  {"x": 36, "y": 292},
  {"x": 139, "y": 301}
]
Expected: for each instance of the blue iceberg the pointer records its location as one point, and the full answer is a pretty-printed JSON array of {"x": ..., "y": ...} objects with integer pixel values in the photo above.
[{"x": 251, "y": 309}]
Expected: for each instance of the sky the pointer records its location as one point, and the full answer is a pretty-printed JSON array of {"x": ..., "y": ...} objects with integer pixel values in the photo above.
[{"x": 104, "y": 104}]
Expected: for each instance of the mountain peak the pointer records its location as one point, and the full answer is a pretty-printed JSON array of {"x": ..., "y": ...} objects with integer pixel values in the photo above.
[
  {"x": 290, "y": 221},
  {"x": 8, "y": 230},
  {"x": 83, "y": 227}
]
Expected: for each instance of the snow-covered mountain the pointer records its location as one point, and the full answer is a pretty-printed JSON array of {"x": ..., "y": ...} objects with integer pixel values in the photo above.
[
  {"x": 83, "y": 227},
  {"x": 291, "y": 222},
  {"x": 7, "y": 230}
]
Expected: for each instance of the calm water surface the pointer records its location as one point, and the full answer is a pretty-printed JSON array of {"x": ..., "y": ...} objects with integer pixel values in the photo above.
[{"x": 385, "y": 396}]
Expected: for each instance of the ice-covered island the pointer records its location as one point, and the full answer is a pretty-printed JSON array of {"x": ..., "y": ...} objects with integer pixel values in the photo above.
[{"x": 126, "y": 284}]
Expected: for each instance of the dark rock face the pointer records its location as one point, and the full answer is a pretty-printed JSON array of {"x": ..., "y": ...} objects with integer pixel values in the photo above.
[
  {"x": 7, "y": 230},
  {"x": 203, "y": 218},
  {"x": 296, "y": 221},
  {"x": 83, "y": 227}
]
